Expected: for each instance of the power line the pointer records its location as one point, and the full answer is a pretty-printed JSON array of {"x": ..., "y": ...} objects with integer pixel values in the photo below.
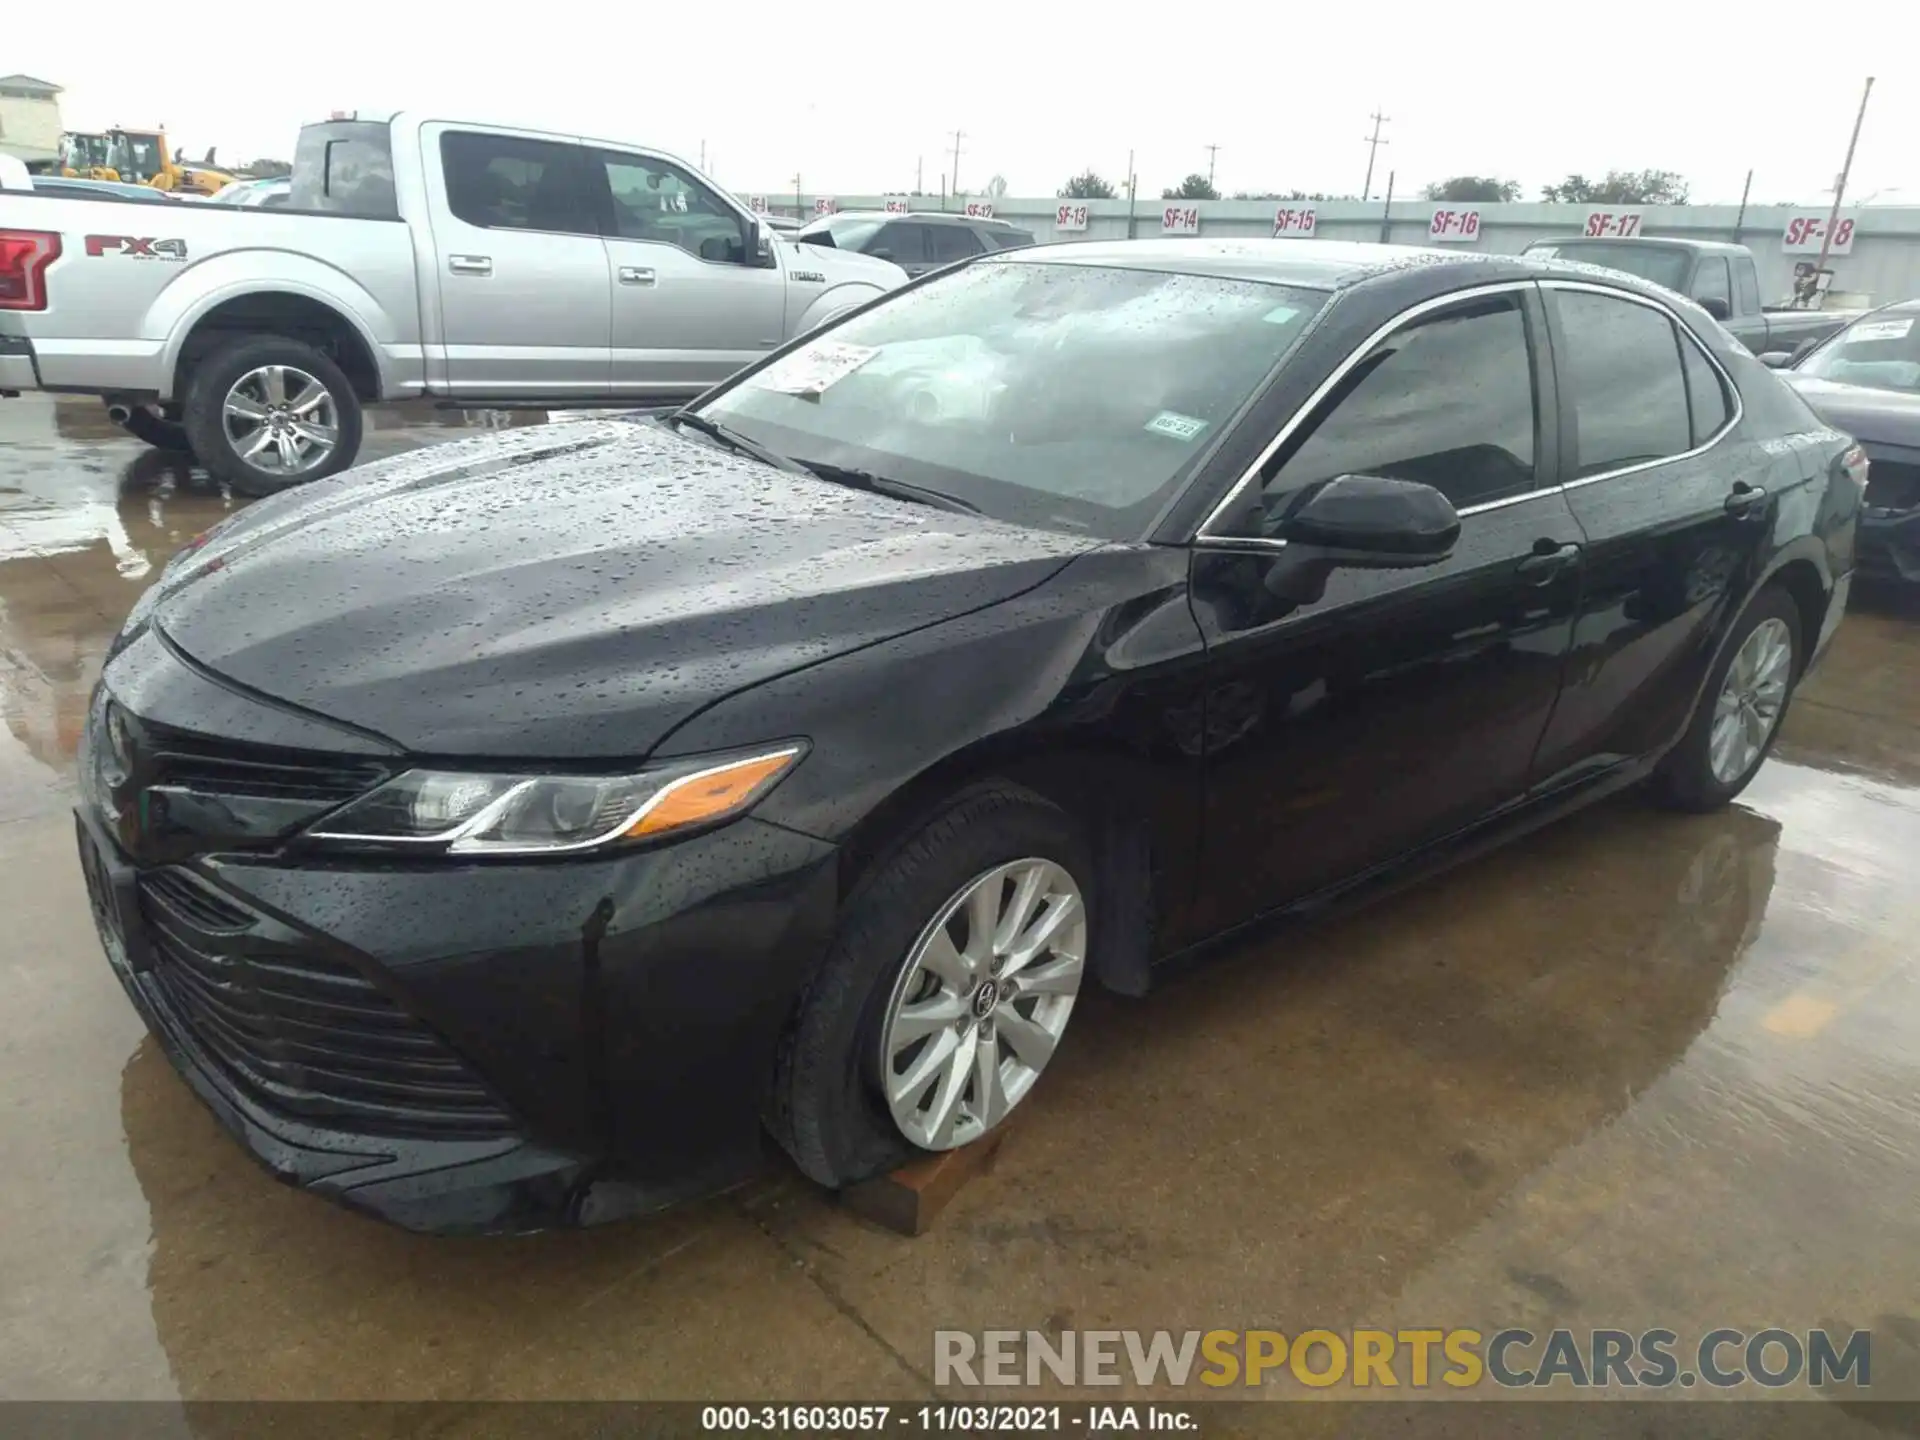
[
  {"x": 958, "y": 136},
  {"x": 1374, "y": 142}
]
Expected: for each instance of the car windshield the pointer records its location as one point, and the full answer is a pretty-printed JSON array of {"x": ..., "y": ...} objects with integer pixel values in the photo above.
[
  {"x": 1658, "y": 263},
  {"x": 1880, "y": 351},
  {"x": 1066, "y": 396}
]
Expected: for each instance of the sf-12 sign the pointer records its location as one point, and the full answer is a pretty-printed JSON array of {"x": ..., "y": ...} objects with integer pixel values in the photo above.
[
  {"x": 1295, "y": 223},
  {"x": 898, "y": 205},
  {"x": 1070, "y": 217},
  {"x": 1180, "y": 220},
  {"x": 1805, "y": 232},
  {"x": 1453, "y": 227},
  {"x": 979, "y": 209},
  {"x": 1612, "y": 224},
  {"x": 823, "y": 205}
]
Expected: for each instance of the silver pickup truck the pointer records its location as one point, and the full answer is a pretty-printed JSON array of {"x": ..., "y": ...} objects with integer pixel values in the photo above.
[{"x": 415, "y": 257}]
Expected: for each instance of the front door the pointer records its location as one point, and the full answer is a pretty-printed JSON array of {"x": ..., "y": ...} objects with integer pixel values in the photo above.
[
  {"x": 522, "y": 268},
  {"x": 1676, "y": 507},
  {"x": 691, "y": 302},
  {"x": 1403, "y": 704}
]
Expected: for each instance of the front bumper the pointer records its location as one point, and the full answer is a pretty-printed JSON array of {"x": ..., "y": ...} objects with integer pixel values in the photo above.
[{"x": 481, "y": 1048}]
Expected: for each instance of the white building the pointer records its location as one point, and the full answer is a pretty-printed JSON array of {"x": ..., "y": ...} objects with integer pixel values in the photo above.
[{"x": 29, "y": 118}]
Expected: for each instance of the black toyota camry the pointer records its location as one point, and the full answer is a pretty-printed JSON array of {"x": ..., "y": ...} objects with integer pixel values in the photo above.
[{"x": 517, "y": 832}]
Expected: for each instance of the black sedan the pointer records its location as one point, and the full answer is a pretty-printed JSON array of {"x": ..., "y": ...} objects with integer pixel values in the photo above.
[
  {"x": 1866, "y": 381},
  {"x": 514, "y": 833}
]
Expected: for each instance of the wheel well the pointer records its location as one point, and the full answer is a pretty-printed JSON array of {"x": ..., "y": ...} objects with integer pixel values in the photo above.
[
  {"x": 294, "y": 316},
  {"x": 1801, "y": 580},
  {"x": 1082, "y": 784}
]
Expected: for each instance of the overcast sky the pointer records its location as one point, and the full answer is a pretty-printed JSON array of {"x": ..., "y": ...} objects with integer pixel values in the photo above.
[{"x": 854, "y": 95}]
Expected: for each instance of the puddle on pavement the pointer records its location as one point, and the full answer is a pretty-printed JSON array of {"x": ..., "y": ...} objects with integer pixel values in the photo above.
[{"x": 1644, "y": 1069}]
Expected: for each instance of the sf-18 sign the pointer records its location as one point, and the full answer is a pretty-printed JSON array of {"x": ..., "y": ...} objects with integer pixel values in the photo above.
[
  {"x": 1612, "y": 224},
  {"x": 1180, "y": 220},
  {"x": 1070, "y": 217},
  {"x": 1295, "y": 223},
  {"x": 1804, "y": 233},
  {"x": 1453, "y": 227}
]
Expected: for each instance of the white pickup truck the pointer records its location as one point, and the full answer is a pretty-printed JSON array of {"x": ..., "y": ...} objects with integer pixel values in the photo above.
[{"x": 416, "y": 257}]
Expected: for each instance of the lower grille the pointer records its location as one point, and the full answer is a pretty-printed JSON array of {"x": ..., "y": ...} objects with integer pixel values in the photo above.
[
  {"x": 1892, "y": 485},
  {"x": 298, "y": 1032}
]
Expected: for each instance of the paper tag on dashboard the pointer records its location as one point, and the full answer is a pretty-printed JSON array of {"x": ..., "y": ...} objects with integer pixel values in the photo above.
[
  {"x": 810, "y": 371},
  {"x": 1175, "y": 425}
]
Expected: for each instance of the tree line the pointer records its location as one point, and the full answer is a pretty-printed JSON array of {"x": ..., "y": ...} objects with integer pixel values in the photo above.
[{"x": 1616, "y": 187}]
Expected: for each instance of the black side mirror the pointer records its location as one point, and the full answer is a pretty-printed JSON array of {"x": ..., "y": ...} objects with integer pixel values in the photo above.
[
  {"x": 1716, "y": 307},
  {"x": 1359, "y": 522},
  {"x": 1777, "y": 359}
]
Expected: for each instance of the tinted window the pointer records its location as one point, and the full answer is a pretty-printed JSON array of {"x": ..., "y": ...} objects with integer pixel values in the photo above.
[
  {"x": 951, "y": 242},
  {"x": 1746, "y": 286},
  {"x": 506, "y": 183},
  {"x": 1711, "y": 281},
  {"x": 1621, "y": 370},
  {"x": 1010, "y": 239},
  {"x": 654, "y": 200},
  {"x": 344, "y": 168},
  {"x": 1706, "y": 396},
  {"x": 1447, "y": 401},
  {"x": 1662, "y": 264},
  {"x": 907, "y": 244}
]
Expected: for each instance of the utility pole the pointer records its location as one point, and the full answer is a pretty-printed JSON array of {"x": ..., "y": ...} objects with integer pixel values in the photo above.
[
  {"x": 1130, "y": 190},
  {"x": 919, "y": 174},
  {"x": 1840, "y": 187},
  {"x": 958, "y": 136},
  {"x": 1213, "y": 152},
  {"x": 799, "y": 209},
  {"x": 1386, "y": 212},
  {"x": 1740, "y": 220},
  {"x": 703, "y": 157},
  {"x": 1374, "y": 142}
]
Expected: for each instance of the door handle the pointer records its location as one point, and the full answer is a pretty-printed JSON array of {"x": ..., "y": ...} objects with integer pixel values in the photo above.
[
  {"x": 470, "y": 264},
  {"x": 1745, "y": 497},
  {"x": 636, "y": 275},
  {"x": 1547, "y": 561}
]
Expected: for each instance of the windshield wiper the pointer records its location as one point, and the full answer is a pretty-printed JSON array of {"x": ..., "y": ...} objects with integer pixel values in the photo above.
[
  {"x": 735, "y": 441},
  {"x": 885, "y": 485}
]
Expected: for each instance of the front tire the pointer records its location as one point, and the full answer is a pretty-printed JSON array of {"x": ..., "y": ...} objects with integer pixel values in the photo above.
[
  {"x": 264, "y": 413},
  {"x": 1740, "y": 710},
  {"x": 945, "y": 993}
]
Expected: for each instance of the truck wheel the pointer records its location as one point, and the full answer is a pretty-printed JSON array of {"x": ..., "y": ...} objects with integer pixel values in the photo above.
[
  {"x": 158, "y": 425},
  {"x": 265, "y": 413}
]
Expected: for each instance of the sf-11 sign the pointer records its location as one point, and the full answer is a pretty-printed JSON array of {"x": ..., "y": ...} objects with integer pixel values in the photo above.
[
  {"x": 1070, "y": 217},
  {"x": 1805, "y": 232},
  {"x": 1612, "y": 224},
  {"x": 824, "y": 205},
  {"x": 1295, "y": 223},
  {"x": 897, "y": 205},
  {"x": 1453, "y": 227},
  {"x": 1180, "y": 220}
]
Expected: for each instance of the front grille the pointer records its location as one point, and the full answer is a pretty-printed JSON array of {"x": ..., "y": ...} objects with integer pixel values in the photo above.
[
  {"x": 300, "y": 1033},
  {"x": 232, "y": 769},
  {"x": 1893, "y": 485}
]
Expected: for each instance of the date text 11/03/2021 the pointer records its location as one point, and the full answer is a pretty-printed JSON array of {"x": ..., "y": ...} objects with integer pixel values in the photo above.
[{"x": 948, "y": 1419}]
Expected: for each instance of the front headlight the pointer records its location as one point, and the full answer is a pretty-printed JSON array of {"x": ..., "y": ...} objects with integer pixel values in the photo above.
[{"x": 460, "y": 813}]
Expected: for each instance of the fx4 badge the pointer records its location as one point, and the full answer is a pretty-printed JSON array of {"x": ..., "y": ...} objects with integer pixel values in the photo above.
[
  {"x": 815, "y": 277},
  {"x": 140, "y": 247}
]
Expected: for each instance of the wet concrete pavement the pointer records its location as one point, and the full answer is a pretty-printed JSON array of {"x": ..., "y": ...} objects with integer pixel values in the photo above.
[{"x": 1643, "y": 1070}]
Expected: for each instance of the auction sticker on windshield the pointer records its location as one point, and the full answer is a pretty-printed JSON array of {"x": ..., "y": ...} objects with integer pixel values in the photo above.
[
  {"x": 1879, "y": 330},
  {"x": 810, "y": 371},
  {"x": 1179, "y": 427}
]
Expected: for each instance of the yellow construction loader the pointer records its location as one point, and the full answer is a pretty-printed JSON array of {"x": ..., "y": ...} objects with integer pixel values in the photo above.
[
  {"x": 143, "y": 157},
  {"x": 84, "y": 155}
]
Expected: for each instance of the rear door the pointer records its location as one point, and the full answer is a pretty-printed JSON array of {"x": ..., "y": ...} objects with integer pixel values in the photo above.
[
  {"x": 1676, "y": 507},
  {"x": 692, "y": 301},
  {"x": 524, "y": 291}
]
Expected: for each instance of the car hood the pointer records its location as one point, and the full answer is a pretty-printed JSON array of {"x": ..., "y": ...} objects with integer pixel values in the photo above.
[
  {"x": 841, "y": 265},
  {"x": 1882, "y": 417},
  {"x": 569, "y": 591}
]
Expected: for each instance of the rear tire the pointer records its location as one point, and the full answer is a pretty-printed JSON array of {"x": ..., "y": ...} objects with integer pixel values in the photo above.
[
  {"x": 159, "y": 427},
  {"x": 1722, "y": 750},
  {"x": 256, "y": 409},
  {"x": 827, "y": 1106}
]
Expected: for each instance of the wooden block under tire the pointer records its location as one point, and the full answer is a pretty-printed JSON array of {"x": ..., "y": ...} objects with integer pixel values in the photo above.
[{"x": 910, "y": 1199}]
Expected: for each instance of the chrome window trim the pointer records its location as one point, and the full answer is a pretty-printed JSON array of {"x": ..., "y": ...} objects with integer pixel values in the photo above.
[
  {"x": 1734, "y": 414},
  {"x": 1426, "y": 307}
]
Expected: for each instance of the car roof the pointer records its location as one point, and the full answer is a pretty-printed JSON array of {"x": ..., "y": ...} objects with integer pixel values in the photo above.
[
  {"x": 937, "y": 216},
  {"x": 1672, "y": 242}
]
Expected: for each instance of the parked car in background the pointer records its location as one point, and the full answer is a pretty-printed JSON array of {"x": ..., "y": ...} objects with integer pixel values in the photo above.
[
  {"x": 1866, "y": 381},
  {"x": 270, "y": 193},
  {"x": 525, "y": 269},
  {"x": 783, "y": 224},
  {"x": 1719, "y": 277},
  {"x": 802, "y": 757},
  {"x": 74, "y": 188},
  {"x": 916, "y": 242}
]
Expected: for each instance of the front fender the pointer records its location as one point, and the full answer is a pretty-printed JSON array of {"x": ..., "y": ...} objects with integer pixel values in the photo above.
[{"x": 237, "y": 274}]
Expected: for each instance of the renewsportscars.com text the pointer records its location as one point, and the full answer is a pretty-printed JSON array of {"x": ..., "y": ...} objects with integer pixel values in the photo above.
[{"x": 1413, "y": 1359}]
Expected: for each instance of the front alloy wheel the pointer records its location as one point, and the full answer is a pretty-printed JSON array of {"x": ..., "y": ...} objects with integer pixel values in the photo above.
[{"x": 982, "y": 1001}]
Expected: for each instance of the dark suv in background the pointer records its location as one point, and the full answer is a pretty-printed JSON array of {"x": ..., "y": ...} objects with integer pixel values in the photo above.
[{"x": 915, "y": 242}]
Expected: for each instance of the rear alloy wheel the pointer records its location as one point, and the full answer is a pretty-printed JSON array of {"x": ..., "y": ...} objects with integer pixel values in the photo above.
[
  {"x": 982, "y": 1001},
  {"x": 265, "y": 413}
]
